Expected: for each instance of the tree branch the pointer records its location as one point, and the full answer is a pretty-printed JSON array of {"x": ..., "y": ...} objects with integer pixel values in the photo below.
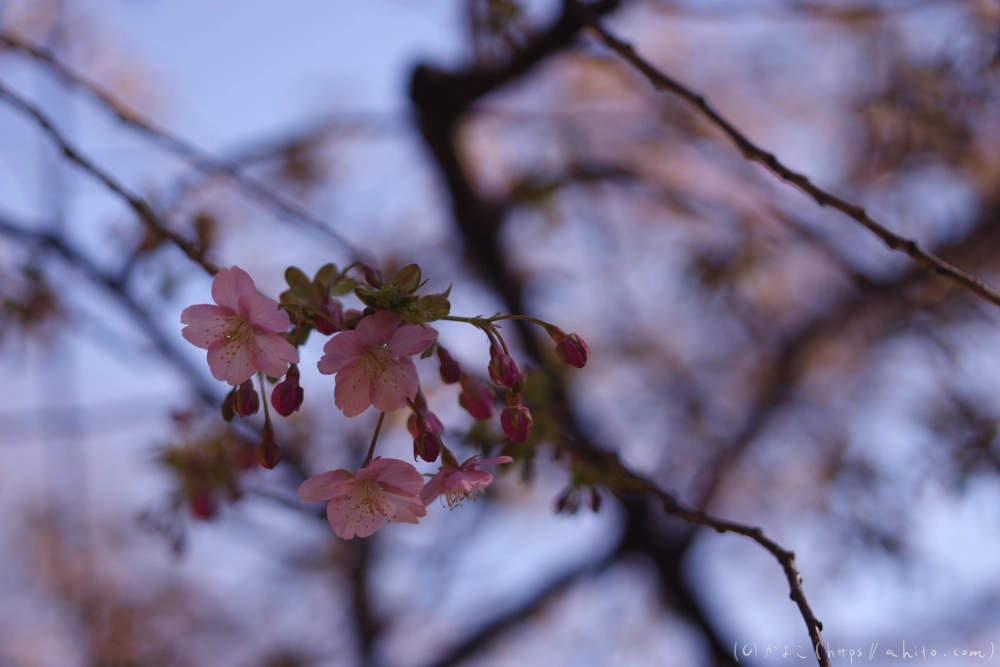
[
  {"x": 177, "y": 145},
  {"x": 142, "y": 209},
  {"x": 76, "y": 259},
  {"x": 514, "y": 617},
  {"x": 754, "y": 153},
  {"x": 441, "y": 98}
]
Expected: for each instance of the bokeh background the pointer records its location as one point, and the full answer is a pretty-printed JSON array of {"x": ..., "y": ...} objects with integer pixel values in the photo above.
[{"x": 764, "y": 358}]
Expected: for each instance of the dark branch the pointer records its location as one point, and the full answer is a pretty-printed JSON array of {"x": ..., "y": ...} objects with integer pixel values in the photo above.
[
  {"x": 173, "y": 143},
  {"x": 80, "y": 262},
  {"x": 141, "y": 208},
  {"x": 754, "y": 153},
  {"x": 441, "y": 98}
]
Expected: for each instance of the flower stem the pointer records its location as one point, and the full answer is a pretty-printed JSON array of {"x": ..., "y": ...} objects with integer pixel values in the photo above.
[
  {"x": 487, "y": 321},
  {"x": 331, "y": 320},
  {"x": 371, "y": 449},
  {"x": 263, "y": 397},
  {"x": 519, "y": 317}
]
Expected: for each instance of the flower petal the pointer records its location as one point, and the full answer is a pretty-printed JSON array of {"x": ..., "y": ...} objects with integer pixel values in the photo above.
[
  {"x": 375, "y": 329},
  {"x": 432, "y": 489},
  {"x": 262, "y": 312},
  {"x": 353, "y": 514},
  {"x": 467, "y": 481},
  {"x": 325, "y": 486},
  {"x": 205, "y": 324},
  {"x": 230, "y": 361},
  {"x": 340, "y": 351},
  {"x": 398, "y": 476},
  {"x": 272, "y": 353},
  {"x": 411, "y": 339},
  {"x": 352, "y": 391},
  {"x": 390, "y": 389},
  {"x": 402, "y": 508},
  {"x": 229, "y": 285}
]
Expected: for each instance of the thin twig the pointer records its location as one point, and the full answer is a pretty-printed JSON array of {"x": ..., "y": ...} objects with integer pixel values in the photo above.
[
  {"x": 786, "y": 558},
  {"x": 142, "y": 209},
  {"x": 178, "y": 145},
  {"x": 754, "y": 153},
  {"x": 163, "y": 345},
  {"x": 621, "y": 480}
]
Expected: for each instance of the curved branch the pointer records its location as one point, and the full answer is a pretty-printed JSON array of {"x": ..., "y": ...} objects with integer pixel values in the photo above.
[
  {"x": 754, "y": 153},
  {"x": 142, "y": 209},
  {"x": 441, "y": 98},
  {"x": 75, "y": 258},
  {"x": 178, "y": 145}
]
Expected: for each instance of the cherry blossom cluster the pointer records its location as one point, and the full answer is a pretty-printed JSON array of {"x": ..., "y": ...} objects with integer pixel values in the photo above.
[{"x": 369, "y": 353}]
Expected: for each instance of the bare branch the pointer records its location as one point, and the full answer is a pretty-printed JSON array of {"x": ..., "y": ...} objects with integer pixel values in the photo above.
[
  {"x": 142, "y": 209},
  {"x": 754, "y": 153},
  {"x": 178, "y": 145},
  {"x": 75, "y": 258},
  {"x": 441, "y": 98},
  {"x": 525, "y": 611}
]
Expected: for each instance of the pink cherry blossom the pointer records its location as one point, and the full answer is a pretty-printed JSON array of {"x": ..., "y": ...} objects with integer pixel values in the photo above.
[
  {"x": 461, "y": 483},
  {"x": 386, "y": 489},
  {"x": 241, "y": 331},
  {"x": 372, "y": 364}
]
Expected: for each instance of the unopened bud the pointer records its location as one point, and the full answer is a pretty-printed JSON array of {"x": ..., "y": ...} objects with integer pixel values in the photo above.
[
  {"x": 450, "y": 370},
  {"x": 408, "y": 278},
  {"x": 330, "y": 316},
  {"x": 228, "y": 411},
  {"x": 516, "y": 419},
  {"x": 503, "y": 370},
  {"x": 268, "y": 452},
  {"x": 426, "y": 430},
  {"x": 373, "y": 276},
  {"x": 287, "y": 395},
  {"x": 242, "y": 455},
  {"x": 246, "y": 402},
  {"x": 202, "y": 504},
  {"x": 427, "y": 423},
  {"x": 475, "y": 398},
  {"x": 427, "y": 446},
  {"x": 570, "y": 348}
]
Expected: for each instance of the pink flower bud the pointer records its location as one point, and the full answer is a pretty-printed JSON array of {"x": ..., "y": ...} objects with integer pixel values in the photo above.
[
  {"x": 450, "y": 370},
  {"x": 475, "y": 398},
  {"x": 268, "y": 452},
  {"x": 246, "y": 402},
  {"x": 426, "y": 430},
  {"x": 516, "y": 419},
  {"x": 286, "y": 397},
  {"x": 228, "y": 411},
  {"x": 503, "y": 370},
  {"x": 373, "y": 276},
  {"x": 427, "y": 446},
  {"x": 202, "y": 504},
  {"x": 570, "y": 348},
  {"x": 332, "y": 310},
  {"x": 428, "y": 423},
  {"x": 242, "y": 455}
]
